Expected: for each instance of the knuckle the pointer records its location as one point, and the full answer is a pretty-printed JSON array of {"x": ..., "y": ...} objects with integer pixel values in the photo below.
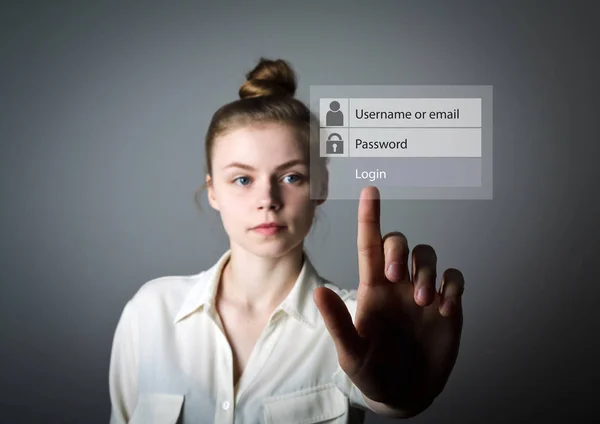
[
  {"x": 396, "y": 236},
  {"x": 426, "y": 277},
  {"x": 429, "y": 275},
  {"x": 396, "y": 246},
  {"x": 369, "y": 250},
  {"x": 368, "y": 218}
]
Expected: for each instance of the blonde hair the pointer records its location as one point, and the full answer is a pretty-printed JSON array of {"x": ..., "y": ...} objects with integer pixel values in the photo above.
[{"x": 267, "y": 96}]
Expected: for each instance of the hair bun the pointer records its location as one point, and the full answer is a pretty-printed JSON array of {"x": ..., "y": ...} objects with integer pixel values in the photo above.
[{"x": 269, "y": 78}]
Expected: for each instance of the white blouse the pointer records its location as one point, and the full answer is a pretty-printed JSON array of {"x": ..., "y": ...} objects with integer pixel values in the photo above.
[{"x": 171, "y": 362}]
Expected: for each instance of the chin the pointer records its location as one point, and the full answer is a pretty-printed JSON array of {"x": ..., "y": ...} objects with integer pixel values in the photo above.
[{"x": 270, "y": 247}]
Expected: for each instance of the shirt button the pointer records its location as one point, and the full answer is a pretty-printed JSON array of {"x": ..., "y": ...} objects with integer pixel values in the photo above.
[{"x": 225, "y": 405}]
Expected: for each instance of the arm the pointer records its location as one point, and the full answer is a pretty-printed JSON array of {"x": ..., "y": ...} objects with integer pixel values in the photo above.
[{"x": 123, "y": 368}]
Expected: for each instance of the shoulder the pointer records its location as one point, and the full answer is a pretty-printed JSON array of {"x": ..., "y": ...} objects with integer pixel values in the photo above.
[
  {"x": 164, "y": 293},
  {"x": 169, "y": 292}
]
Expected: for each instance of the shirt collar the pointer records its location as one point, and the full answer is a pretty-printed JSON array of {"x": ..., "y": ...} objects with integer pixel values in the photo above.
[{"x": 298, "y": 303}]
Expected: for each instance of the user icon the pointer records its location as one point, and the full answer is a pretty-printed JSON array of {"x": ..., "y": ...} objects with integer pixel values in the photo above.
[{"x": 335, "y": 117}]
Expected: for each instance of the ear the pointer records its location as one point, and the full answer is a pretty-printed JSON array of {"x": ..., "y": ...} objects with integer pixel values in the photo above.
[{"x": 211, "y": 193}]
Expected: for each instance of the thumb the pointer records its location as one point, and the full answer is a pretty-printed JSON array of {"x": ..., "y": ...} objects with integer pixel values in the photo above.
[{"x": 349, "y": 345}]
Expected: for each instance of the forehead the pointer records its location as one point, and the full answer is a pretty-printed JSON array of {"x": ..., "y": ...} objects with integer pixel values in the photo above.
[{"x": 258, "y": 145}]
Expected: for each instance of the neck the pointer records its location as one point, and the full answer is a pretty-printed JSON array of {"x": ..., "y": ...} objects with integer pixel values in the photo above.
[{"x": 256, "y": 284}]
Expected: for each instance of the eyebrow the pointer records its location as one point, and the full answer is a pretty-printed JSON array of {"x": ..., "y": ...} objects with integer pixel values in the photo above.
[{"x": 285, "y": 165}]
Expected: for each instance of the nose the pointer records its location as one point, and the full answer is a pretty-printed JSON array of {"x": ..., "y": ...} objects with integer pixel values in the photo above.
[{"x": 269, "y": 196}]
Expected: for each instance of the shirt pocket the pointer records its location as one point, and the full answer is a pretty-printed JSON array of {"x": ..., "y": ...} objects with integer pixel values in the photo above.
[
  {"x": 320, "y": 404},
  {"x": 157, "y": 408}
]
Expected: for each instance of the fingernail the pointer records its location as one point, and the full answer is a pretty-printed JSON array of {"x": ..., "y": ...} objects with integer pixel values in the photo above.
[
  {"x": 393, "y": 271},
  {"x": 422, "y": 294}
]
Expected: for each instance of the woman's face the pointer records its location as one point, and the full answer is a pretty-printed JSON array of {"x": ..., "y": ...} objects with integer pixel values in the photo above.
[{"x": 260, "y": 175}]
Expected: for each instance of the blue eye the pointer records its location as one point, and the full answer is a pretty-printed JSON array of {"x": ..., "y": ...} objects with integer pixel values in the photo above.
[
  {"x": 295, "y": 178},
  {"x": 240, "y": 180}
]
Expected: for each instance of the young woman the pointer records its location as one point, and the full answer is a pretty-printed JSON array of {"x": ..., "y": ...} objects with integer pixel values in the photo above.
[{"x": 260, "y": 337}]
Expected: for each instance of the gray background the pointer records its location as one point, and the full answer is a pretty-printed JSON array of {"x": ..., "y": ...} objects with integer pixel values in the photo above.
[{"x": 103, "y": 112}]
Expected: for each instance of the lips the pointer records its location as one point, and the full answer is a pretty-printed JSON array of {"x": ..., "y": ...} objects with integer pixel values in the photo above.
[
  {"x": 269, "y": 229},
  {"x": 269, "y": 225}
]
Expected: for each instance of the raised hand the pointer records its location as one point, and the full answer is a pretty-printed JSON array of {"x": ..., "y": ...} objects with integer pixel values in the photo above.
[{"x": 401, "y": 348}]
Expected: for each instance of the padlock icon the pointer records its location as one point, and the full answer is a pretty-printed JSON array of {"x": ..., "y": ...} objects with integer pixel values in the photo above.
[{"x": 334, "y": 146}]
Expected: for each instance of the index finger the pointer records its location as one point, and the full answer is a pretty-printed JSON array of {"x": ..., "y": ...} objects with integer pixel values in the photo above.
[{"x": 369, "y": 243}]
